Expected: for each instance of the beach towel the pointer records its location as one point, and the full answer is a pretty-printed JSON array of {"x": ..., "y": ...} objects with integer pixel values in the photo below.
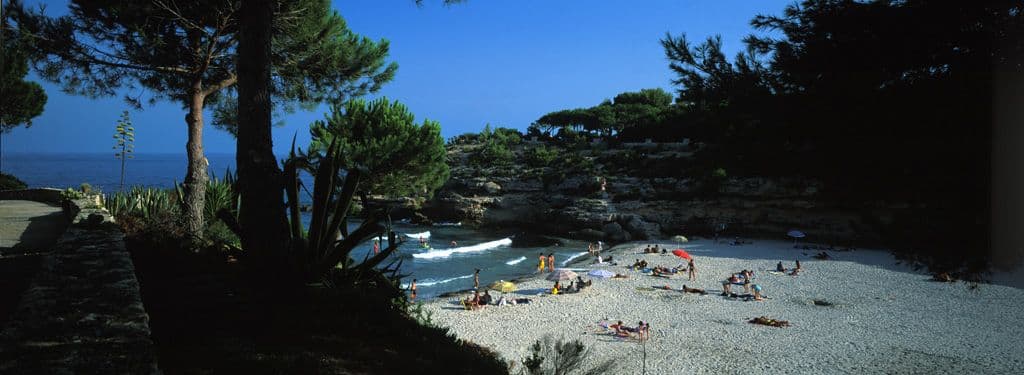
[{"x": 773, "y": 272}]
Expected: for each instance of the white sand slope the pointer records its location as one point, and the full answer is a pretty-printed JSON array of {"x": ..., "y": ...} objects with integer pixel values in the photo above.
[{"x": 886, "y": 318}]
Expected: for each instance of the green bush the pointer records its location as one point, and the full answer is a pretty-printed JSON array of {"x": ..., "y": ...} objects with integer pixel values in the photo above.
[
  {"x": 71, "y": 194},
  {"x": 9, "y": 182},
  {"x": 494, "y": 154},
  {"x": 497, "y": 147},
  {"x": 548, "y": 356},
  {"x": 541, "y": 156}
]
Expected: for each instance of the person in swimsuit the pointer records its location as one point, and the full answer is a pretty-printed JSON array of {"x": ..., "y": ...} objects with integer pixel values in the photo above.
[
  {"x": 551, "y": 262},
  {"x": 693, "y": 270},
  {"x": 757, "y": 292},
  {"x": 727, "y": 284},
  {"x": 540, "y": 266},
  {"x": 412, "y": 289},
  {"x": 476, "y": 279}
]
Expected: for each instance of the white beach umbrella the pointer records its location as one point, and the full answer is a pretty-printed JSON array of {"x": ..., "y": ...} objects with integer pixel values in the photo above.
[
  {"x": 796, "y": 235},
  {"x": 561, "y": 274}
]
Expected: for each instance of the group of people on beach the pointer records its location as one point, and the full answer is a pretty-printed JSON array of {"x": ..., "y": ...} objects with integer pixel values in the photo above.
[
  {"x": 794, "y": 272},
  {"x": 654, "y": 250},
  {"x": 642, "y": 330},
  {"x": 546, "y": 262},
  {"x": 744, "y": 278},
  {"x": 690, "y": 267},
  {"x": 574, "y": 286}
]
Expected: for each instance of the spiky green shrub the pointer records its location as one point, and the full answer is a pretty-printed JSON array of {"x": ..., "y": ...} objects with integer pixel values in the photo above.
[
  {"x": 558, "y": 357},
  {"x": 221, "y": 195},
  {"x": 141, "y": 202}
]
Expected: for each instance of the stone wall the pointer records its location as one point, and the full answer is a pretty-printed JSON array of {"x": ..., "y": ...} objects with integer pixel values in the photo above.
[
  {"x": 83, "y": 313},
  {"x": 46, "y": 195}
]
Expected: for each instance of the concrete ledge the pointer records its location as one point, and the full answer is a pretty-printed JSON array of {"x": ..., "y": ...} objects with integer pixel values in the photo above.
[
  {"x": 46, "y": 195},
  {"x": 83, "y": 312}
]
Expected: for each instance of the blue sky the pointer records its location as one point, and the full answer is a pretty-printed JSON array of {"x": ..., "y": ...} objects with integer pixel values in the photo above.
[{"x": 485, "y": 61}]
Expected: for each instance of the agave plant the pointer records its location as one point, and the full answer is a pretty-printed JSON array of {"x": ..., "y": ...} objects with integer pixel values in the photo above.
[
  {"x": 140, "y": 202},
  {"x": 221, "y": 195},
  {"x": 324, "y": 250}
]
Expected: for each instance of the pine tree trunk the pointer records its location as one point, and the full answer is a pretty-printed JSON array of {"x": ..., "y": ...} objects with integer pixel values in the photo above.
[
  {"x": 195, "y": 176},
  {"x": 262, "y": 215}
]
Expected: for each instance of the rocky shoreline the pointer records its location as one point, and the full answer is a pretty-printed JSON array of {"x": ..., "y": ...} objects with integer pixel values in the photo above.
[{"x": 606, "y": 203}]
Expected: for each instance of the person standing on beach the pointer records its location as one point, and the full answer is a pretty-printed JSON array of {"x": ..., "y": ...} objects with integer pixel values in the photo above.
[
  {"x": 693, "y": 270},
  {"x": 476, "y": 279},
  {"x": 376, "y": 247},
  {"x": 412, "y": 290},
  {"x": 551, "y": 262},
  {"x": 540, "y": 266}
]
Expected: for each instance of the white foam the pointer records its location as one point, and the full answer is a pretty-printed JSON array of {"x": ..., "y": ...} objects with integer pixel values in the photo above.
[
  {"x": 465, "y": 249},
  {"x": 458, "y": 224},
  {"x": 418, "y": 235},
  {"x": 429, "y": 282},
  {"x": 574, "y": 256},
  {"x": 515, "y": 261}
]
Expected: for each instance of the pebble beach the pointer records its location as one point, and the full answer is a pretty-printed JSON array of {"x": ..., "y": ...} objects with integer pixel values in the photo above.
[{"x": 872, "y": 315}]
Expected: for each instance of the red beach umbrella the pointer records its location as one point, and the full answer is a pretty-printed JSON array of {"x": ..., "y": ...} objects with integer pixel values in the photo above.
[{"x": 682, "y": 254}]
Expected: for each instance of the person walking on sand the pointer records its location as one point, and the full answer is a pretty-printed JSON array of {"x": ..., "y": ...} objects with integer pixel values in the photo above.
[
  {"x": 476, "y": 279},
  {"x": 551, "y": 262},
  {"x": 412, "y": 290},
  {"x": 692, "y": 270},
  {"x": 376, "y": 247},
  {"x": 540, "y": 266}
]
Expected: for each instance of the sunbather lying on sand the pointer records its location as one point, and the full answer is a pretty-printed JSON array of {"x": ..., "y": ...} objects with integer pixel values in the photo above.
[
  {"x": 693, "y": 290},
  {"x": 764, "y": 320},
  {"x": 620, "y": 276},
  {"x": 659, "y": 270}
]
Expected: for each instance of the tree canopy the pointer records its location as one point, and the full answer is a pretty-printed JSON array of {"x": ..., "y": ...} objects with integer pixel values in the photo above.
[
  {"x": 381, "y": 137},
  {"x": 643, "y": 108},
  {"x": 20, "y": 100},
  {"x": 185, "y": 51},
  {"x": 836, "y": 92}
]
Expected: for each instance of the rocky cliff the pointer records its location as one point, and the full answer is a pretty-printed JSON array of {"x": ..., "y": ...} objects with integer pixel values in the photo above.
[{"x": 636, "y": 192}]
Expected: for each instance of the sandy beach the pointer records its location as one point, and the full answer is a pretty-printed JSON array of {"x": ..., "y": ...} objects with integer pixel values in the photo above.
[{"x": 883, "y": 318}]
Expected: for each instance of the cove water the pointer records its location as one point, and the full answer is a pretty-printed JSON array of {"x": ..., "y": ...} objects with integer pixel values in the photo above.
[{"x": 438, "y": 267}]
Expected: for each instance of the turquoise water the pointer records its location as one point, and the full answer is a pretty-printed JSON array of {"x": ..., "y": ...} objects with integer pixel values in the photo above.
[{"x": 438, "y": 269}]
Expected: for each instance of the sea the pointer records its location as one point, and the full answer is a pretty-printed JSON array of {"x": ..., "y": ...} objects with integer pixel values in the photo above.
[{"x": 443, "y": 262}]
